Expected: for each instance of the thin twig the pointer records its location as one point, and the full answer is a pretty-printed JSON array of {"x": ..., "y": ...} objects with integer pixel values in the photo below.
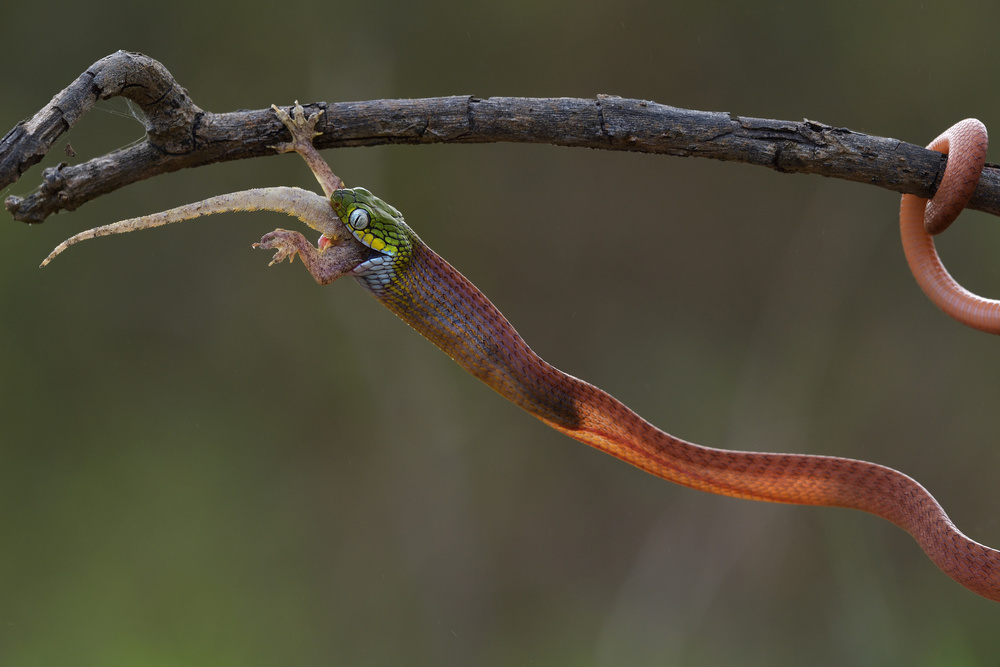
[{"x": 179, "y": 135}]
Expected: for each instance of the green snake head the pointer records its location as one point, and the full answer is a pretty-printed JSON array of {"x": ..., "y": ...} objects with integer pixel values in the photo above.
[
  {"x": 372, "y": 221},
  {"x": 379, "y": 226}
]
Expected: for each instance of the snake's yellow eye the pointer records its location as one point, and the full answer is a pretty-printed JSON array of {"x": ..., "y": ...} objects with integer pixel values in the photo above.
[{"x": 359, "y": 218}]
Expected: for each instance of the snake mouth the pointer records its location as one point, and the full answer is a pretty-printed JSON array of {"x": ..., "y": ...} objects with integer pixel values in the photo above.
[{"x": 325, "y": 241}]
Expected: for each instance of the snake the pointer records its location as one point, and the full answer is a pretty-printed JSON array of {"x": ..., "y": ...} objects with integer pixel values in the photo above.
[
  {"x": 921, "y": 219},
  {"x": 368, "y": 239}
]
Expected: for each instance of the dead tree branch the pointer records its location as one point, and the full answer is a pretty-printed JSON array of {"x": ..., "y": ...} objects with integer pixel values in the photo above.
[{"x": 180, "y": 135}]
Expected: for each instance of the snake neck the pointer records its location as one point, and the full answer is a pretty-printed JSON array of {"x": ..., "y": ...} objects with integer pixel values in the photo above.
[{"x": 443, "y": 306}]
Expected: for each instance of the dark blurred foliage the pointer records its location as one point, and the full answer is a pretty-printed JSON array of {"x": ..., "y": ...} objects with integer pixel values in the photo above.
[{"x": 207, "y": 462}]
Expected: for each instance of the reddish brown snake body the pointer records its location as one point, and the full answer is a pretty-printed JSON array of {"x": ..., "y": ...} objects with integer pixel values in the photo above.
[{"x": 476, "y": 335}]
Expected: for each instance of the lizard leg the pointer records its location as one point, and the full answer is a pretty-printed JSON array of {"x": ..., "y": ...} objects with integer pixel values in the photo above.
[
  {"x": 303, "y": 132},
  {"x": 324, "y": 264}
]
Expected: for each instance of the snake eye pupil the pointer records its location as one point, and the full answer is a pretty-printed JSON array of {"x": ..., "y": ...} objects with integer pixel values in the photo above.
[{"x": 359, "y": 218}]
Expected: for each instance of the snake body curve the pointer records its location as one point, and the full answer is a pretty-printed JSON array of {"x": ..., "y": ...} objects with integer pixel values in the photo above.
[{"x": 441, "y": 304}]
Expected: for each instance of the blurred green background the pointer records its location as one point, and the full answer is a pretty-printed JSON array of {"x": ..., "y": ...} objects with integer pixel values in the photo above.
[{"x": 204, "y": 461}]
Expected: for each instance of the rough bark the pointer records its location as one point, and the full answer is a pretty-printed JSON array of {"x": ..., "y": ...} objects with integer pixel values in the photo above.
[{"x": 180, "y": 135}]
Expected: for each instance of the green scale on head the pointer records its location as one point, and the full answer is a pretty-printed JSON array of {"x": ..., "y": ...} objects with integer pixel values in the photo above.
[{"x": 378, "y": 226}]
